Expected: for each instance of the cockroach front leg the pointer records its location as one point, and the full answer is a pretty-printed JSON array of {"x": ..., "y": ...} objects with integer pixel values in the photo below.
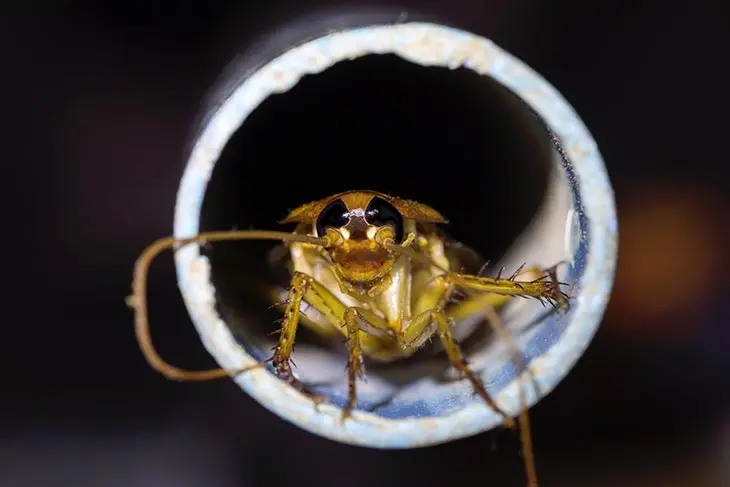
[
  {"x": 546, "y": 288},
  {"x": 363, "y": 330},
  {"x": 356, "y": 324},
  {"x": 355, "y": 366},
  {"x": 281, "y": 360}
]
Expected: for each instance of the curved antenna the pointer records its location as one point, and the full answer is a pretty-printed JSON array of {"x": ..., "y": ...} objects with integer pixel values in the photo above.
[{"x": 138, "y": 299}]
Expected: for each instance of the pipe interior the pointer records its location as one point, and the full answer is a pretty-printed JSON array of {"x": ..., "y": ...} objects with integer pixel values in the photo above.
[{"x": 453, "y": 139}]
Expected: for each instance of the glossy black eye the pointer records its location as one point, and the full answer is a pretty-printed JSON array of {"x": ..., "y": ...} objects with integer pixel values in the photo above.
[
  {"x": 380, "y": 213},
  {"x": 334, "y": 215}
]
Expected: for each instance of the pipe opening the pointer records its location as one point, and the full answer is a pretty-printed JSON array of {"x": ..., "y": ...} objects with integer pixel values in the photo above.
[{"x": 453, "y": 139}]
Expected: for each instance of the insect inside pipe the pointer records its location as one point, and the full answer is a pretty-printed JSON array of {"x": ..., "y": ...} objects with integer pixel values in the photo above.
[{"x": 379, "y": 272}]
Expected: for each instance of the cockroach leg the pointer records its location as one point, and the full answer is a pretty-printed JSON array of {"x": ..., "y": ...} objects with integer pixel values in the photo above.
[
  {"x": 487, "y": 304},
  {"x": 421, "y": 328},
  {"x": 281, "y": 360},
  {"x": 545, "y": 288},
  {"x": 355, "y": 366},
  {"x": 431, "y": 318},
  {"x": 361, "y": 328}
]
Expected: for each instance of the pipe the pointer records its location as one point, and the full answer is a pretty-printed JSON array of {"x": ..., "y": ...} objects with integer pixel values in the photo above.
[{"x": 422, "y": 111}]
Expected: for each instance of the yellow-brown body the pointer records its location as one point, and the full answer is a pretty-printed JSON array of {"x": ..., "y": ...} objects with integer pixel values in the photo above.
[{"x": 360, "y": 272}]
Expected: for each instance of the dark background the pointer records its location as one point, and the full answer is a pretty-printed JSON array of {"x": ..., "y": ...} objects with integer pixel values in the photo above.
[{"x": 99, "y": 103}]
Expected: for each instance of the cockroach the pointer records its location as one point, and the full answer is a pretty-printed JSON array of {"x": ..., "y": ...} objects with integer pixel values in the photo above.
[{"x": 378, "y": 271}]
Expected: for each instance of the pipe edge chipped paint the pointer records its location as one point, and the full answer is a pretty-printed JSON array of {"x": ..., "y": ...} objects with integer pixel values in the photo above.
[{"x": 426, "y": 44}]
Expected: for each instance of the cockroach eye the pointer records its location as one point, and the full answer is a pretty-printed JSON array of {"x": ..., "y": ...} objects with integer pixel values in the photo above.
[
  {"x": 335, "y": 215},
  {"x": 380, "y": 213}
]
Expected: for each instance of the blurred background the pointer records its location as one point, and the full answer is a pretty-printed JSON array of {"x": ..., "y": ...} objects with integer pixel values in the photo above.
[{"x": 99, "y": 102}]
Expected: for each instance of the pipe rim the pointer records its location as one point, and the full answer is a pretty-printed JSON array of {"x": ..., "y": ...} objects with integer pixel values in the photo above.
[{"x": 431, "y": 45}]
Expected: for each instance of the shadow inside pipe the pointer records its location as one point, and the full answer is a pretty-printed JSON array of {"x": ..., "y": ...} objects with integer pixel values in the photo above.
[{"x": 452, "y": 139}]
